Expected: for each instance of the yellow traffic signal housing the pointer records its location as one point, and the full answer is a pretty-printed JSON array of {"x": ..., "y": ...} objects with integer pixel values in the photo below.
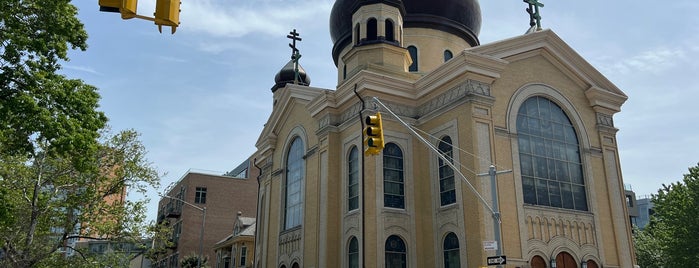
[
  {"x": 373, "y": 135},
  {"x": 127, "y": 8},
  {"x": 167, "y": 13}
]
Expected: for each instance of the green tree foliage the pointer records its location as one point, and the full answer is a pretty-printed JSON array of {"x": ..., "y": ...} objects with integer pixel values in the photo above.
[
  {"x": 671, "y": 240},
  {"x": 60, "y": 170},
  {"x": 42, "y": 112},
  {"x": 52, "y": 201},
  {"x": 192, "y": 261}
]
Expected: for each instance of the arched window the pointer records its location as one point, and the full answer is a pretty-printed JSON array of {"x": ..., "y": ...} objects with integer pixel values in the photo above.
[
  {"x": 395, "y": 252},
  {"x": 371, "y": 29},
  {"x": 357, "y": 37},
  {"x": 447, "y": 191},
  {"x": 447, "y": 55},
  {"x": 294, "y": 180},
  {"x": 549, "y": 156},
  {"x": 393, "y": 188},
  {"x": 353, "y": 253},
  {"x": 344, "y": 71},
  {"x": 390, "y": 36},
  {"x": 413, "y": 55},
  {"x": 353, "y": 179},
  {"x": 451, "y": 251}
]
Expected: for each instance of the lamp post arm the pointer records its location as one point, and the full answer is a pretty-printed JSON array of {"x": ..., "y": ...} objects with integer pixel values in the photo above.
[
  {"x": 203, "y": 224},
  {"x": 185, "y": 202}
]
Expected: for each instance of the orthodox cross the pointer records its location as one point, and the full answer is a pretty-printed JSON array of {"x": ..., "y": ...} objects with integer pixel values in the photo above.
[
  {"x": 295, "y": 55},
  {"x": 534, "y": 16}
]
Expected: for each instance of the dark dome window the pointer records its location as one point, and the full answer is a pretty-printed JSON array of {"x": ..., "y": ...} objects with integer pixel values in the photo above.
[
  {"x": 413, "y": 55},
  {"x": 371, "y": 29},
  {"x": 447, "y": 55},
  {"x": 390, "y": 36}
]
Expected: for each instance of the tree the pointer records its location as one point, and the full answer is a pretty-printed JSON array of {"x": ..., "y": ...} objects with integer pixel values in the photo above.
[
  {"x": 62, "y": 174},
  {"x": 53, "y": 201},
  {"x": 671, "y": 240},
  {"x": 43, "y": 112}
]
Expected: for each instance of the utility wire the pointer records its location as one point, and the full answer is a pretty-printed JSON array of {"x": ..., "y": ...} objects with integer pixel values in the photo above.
[{"x": 431, "y": 147}]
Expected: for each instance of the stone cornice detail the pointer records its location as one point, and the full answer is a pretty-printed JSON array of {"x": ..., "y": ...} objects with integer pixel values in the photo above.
[{"x": 468, "y": 88}]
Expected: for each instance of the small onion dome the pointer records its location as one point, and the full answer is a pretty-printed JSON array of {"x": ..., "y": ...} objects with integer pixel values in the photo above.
[
  {"x": 286, "y": 76},
  {"x": 458, "y": 17}
]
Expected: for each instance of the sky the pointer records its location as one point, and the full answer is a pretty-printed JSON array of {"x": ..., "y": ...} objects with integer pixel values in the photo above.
[{"x": 200, "y": 97}]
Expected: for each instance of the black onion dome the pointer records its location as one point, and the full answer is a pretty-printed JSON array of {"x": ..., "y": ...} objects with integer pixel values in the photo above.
[
  {"x": 286, "y": 76},
  {"x": 459, "y": 17}
]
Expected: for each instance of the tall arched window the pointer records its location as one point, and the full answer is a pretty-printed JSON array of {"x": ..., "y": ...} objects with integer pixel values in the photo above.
[
  {"x": 447, "y": 191},
  {"x": 549, "y": 155},
  {"x": 451, "y": 251},
  {"x": 357, "y": 37},
  {"x": 393, "y": 188},
  {"x": 353, "y": 253},
  {"x": 353, "y": 179},
  {"x": 294, "y": 180},
  {"x": 390, "y": 36},
  {"x": 395, "y": 253},
  {"x": 371, "y": 29},
  {"x": 447, "y": 55},
  {"x": 413, "y": 55}
]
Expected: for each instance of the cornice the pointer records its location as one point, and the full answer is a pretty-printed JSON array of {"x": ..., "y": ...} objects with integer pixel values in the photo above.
[{"x": 561, "y": 51}]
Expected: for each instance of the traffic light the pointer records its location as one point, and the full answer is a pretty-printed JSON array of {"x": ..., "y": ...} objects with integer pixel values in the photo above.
[
  {"x": 373, "y": 135},
  {"x": 127, "y": 8},
  {"x": 167, "y": 13}
]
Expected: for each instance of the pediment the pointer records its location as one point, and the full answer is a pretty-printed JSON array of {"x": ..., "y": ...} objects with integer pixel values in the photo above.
[
  {"x": 559, "y": 53},
  {"x": 285, "y": 99}
]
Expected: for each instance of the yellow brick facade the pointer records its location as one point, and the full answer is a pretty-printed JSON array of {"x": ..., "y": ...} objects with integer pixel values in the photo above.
[{"x": 474, "y": 99}]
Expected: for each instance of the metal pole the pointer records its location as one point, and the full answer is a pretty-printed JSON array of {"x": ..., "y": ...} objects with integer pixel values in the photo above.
[
  {"x": 201, "y": 236},
  {"x": 203, "y": 221},
  {"x": 496, "y": 208},
  {"x": 496, "y": 214}
]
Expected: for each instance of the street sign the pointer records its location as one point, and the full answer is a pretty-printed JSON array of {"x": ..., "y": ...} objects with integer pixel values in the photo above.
[
  {"x": 490, "y": 245},
  {"x": 497, "y": 260}
]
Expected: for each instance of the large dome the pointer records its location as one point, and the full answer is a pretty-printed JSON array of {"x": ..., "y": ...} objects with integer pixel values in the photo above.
[{"x": 459, "y": 17}]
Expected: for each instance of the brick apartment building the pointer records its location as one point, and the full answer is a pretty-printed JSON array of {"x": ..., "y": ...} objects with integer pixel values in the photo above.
[{"x": 223, "y": 196}]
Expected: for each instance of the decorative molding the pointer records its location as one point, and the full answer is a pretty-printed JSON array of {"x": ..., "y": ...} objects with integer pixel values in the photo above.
[
  {"x": 349, "y": 113},
  {"x": 311, "y": 151},
  {"x": 324, "y": 121},
  {"x": 290, "y": 242},
  {"x": 470, "y": 87},
  {"x": 605, "y": 120}
]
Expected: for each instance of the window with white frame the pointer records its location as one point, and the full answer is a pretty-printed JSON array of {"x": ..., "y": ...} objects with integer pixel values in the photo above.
[
  {"x": 549, "y": 155},
  {"x": 447, "y": 189},
  {"x": 393, "y": 185},
  {"x": 353, "y": 179},
  {"x": 294, "y": 180}
]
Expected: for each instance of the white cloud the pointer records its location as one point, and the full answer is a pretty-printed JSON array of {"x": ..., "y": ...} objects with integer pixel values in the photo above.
[
  {"x": 82, "y": 69},
  {"x": 650, "y": 61},
  {"x": 223, "y": 19}
]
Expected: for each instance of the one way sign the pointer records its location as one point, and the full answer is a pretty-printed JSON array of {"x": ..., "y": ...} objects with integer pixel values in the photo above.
[{"x": 497, "y": 260}]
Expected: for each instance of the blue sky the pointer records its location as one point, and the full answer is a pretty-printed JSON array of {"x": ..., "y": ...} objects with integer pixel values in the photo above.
[{"x": 200, "y": 97}]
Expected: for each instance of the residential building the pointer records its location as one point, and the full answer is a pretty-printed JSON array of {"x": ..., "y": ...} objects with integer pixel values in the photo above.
[
  {"x": 220, "y": 196},
  {"x": 645, "y": 210},
  {"x": 237, "y": 250},
  {"x": 124, "y": 252},
  {"x": 631, "y": 205},
  {"x": 529, "y": 104}
]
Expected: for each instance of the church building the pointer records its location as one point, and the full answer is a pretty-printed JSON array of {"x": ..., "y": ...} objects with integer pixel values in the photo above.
[{"x": 529, "y": 106}]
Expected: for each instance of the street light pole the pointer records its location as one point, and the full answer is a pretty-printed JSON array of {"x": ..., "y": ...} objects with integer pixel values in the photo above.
[
  {"x": 496, "y": 207},
  {"x": 203, "y": 224}
]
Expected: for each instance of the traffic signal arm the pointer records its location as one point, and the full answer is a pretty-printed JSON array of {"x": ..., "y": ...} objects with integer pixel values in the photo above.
[{"x": 167, "y": 12}]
